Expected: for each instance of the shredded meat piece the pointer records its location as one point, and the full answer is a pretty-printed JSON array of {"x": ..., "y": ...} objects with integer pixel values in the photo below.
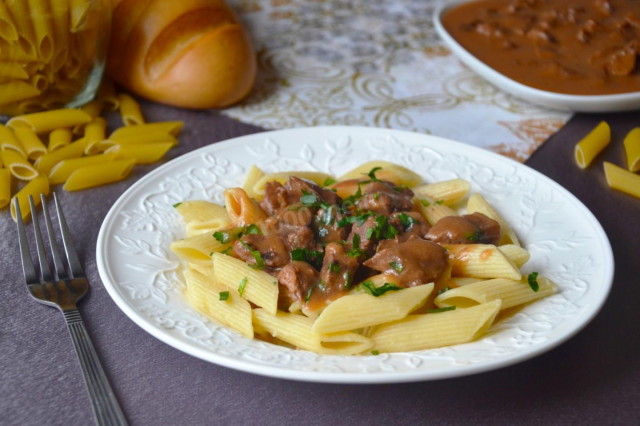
[
  {"x": 271, "y": 248},
  {"x": 338, "y": 269},
  {"x": 365, "y": 243},
  {"x": 325, "y": 225},
  {"x": 295, "y": 280},
  {"x": 466, "y": 229},
  {"x": 293, "y": 236},
  {"x": 275, "y": 198},
  {"x": 414, "y": 262},
  {"x": 385, "y": 198},
  {"x": 295, "y": 187},
  {"x": 409, "y": 223}
]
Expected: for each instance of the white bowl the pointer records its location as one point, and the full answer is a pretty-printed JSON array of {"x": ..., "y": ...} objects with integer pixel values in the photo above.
[{"x": 577, "y": 103}]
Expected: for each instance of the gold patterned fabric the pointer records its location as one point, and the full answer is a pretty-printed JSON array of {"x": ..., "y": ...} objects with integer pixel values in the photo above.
[{"x": 377, "y": 63}]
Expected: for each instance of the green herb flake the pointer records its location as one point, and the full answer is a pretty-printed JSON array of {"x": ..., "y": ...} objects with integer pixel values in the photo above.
[
  {"x": 227, "y": 251},
  {"x": 437, "y": 311},
  {"x": 308, "y": 295},
  {"x": 176, "y": 205},
  {"x": 308, "y": 200},
  {"x": 425, "y": 203},
  {"x": 473, "y": 237},
  {"x": 334, "y": 267},
  {"x": 439, "y": 202},
  {"x": 406, "y": 221},
  {"x": 348, "y": 280},
  {"x": 375, "y": 352},
  {"x": 372, "y": 174},
  {"x": 242, "y": 285},
  {"x": 312, "y": 257},
  {"x": 257, "y": 256},
  {"x": 252, "y": 229},
  {"x": 329, "y": 181},
  {"x": 224, "y": 295},
  {"x": 371, "y": 288},
  {"x": 223, "y": 237},
  {"x": 397, "y": 266},
  {"x": 532, "y": 279}
]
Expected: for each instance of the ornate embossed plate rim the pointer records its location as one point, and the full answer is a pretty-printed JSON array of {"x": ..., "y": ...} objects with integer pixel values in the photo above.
[
  {"x": 514, "y": 340},
  {"x": 561, "y": 101}
]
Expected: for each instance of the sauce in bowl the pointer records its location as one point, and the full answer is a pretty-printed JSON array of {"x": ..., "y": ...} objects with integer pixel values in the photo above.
[{"x": 579, "y": 47}]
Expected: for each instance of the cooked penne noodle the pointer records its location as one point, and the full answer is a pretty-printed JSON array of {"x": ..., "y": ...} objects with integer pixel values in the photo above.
[
  {"x": 425, "y": 331},
  {"x": 35, "y": 187},
  {"x": 31, "y": 143},
  {"x": 5, "y": 187},
  {"x": 317, "y": 177},
  {"x": 8, "y": 140},
  {"x": 205, "y": 267},
  {"x": 18, "y": 165},
  {"x": 518, "y": 255},
  {"x": 621, "y": 179},
  {"x": 47, "y": 121},
  {"x": 142, "y": 130},
  {"x": 433, "y": 210},
  {"x": 130, "y": 110},
  {"x": 510, "y": 292},
  {"x": 142, "y": 153},
  {"x": 632, "y": 149},
  {"x": 591, "y": 145},
  {"x": 389, "y": 172},
  {"x": 204, "y": 294},
  {"x": 477, "y": 203},
  {"x": 94, "y": 132},
  {"x": 448, "y": 191},
  {"x": 242, "y": 210},
  {"x": 59, "y": 138},
  {"x": 363, "y": 310},
  {"x": 100, "y": 174},
  {"x": 258, "y": 287},
  {"x": 63, "y": 170},
  {"x": 254, "y": 174},
  {"x": 462, "y": 281},
  {"x": 481, "y": 261},
  {"x": 203, "y": 216},
  {"x": 296, "y": 330},
  {"x": 197, "y": 247},
  {"x": 45, "y": 163}
]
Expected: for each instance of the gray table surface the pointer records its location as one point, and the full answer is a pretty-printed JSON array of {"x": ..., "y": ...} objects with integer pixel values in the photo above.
[{"x": 591, "y": 379}]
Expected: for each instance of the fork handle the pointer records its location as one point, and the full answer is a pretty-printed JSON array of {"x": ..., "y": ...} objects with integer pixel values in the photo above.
[{"x": 106, "y": 409}]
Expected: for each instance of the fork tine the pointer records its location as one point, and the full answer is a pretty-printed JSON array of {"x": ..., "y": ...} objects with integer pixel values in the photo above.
[
  {"x": 55, "y": 253},
  {"x": 45, "y": 270},
  {"x": 27, "y": 265},
  {"x": 72, "y": 256}
]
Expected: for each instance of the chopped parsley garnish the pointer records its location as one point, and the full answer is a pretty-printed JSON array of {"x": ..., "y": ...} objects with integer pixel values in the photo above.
[
  {"x": 532, "y": 279},
  {"x": 334, "y": 267},
  {"x": 308, "y": 295},
  {"x": 227, "y": 251},
  {"x": 383, "y": 229},
  {"x": 256, "y": 255},
  {"x": 473, "y": 237},
  {"x": 348, "y": 280},
  {"x": 224, "y": 295},
  {"x": 437, "y": 311},
  {"x": 242, "y": 285},
  {"x": 372, "y": 174},
  {"x": 355, "y": 250},
  {"x": 371, "y": 288},
  {"x": 425, "y": 203},
  {"x": 223, "y": 237},
  {"x": 176, "y": 205},
  {"x": 406, "y": 221},
  {"x": 439, "y": 202},
  {"x": 329, "y": 181},
  {"x": 227, "y": 236},
  {"x": 375, "y": 352},
  {"x": 308, "y": 200},
  {"x": 312, "y": 257},
  {"x": 251, "y": 229},
  {"x": 397, "y": 266},
  {"x": 359, "y": 219}
]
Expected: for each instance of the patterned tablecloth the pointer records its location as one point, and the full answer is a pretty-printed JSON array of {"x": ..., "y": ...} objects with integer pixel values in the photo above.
[{"x": 377, "y": 63}]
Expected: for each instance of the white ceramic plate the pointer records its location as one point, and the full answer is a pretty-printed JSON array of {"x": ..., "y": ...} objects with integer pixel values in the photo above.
[
  {"x": 566, "y": 243},
  {"x": 577, "y": 103}
]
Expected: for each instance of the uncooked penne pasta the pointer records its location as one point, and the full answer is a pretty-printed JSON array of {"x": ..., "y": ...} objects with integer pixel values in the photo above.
[
  {"x": 150, "y": 137},
  {"x": 477, "y": 203},
  {"x": 296, "y": 330},
  {"x": 75, "y": 149},
  {"x": 433, "y": 330},
  {"x": 591, "y": 145},
  {"x": 63, "y": 170},
  {"x": 202, "y": 216},
  {"x": 448, "y": 191},
  {"x": 242, "y": 210},
  {"x": 621, "y": 179},
  {"x": 632, "y": 149},
  {"x": 107, "y": 94},
  {"x": 16, "y": 90},
  {"x": 43, "y": 28},
  {"x": 480, "y": 261},
  {"x": 79, "y": 13},
  {"x": 12, "y": 70},
  {"x": 47, "y": 121},
  {"x": 510, "y": 292},
  {"x": 254, "y": 285},
  {"x": 18, "y": 165},
  {"x": 94, "y": 132},
  {"x": 254, "y": 174},
  {"x": 160, "y": 127},
  {"x": 130, "y": 110},
  {"x": 31, "y": 143},
  {"x": 356, "y": 311},
  {"x": 35, "y": 187},
  {"x": 142, "y": 153},
  {"x": 100, "y": 174},
  {"x": 8, "y": 140},
  {"x": 59, "y": 138},
  {"x": 8, "y": 29},
  {"x": 388, "y": 171},
  {"x": 5, "y": 187},
  {"x": 218, "y": 302}
]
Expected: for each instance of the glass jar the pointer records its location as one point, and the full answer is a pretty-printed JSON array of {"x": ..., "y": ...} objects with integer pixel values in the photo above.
[{"x": 52, "y": 53}]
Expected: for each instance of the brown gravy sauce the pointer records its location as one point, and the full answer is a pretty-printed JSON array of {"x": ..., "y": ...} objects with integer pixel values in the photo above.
[{"x": 581, "y": 47}]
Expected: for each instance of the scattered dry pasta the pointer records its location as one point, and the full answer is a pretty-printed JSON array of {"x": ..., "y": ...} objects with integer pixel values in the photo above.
[{"x": 367, "y": 264}]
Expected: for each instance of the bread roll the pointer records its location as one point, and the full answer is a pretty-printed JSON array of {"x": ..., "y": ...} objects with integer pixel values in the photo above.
[{"x": 186, "y": 53}]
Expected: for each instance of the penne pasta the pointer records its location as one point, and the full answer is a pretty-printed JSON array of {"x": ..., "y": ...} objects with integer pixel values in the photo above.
[
  {"x": 8, "y": 29},
  {"x": 63, "y": 170},
  {"x": 481, "y": 261},
  {"x": 47, "y": 121},
  {"x": 8, "y": 140},
  {"x": 15, "y": 91},
  {"x": 151, "y": 137},
  {"x": 142, "y": 153},
  {"x": 31, "y": 143},
  {"x": 296, "y": 330},
  {"x": 18, "y": 165},
  {"x": 516, "y": 254},
  {"x": 448, "y": 191},
  {"x": 142, "y": 130},
  {"x": 130, "y": 110},
  {"x": 100, "y": 174},
  {"x": 257, "y": 286},
  {"x": 203, "y": 217},
  {"x": 388, "y": 171},
  {"x": 591, "y": 145},
  {"x": 45, "y": 163},
  {"x": 433, "y": 210},
  {"x": 242, "y": 210},
  {"x": 632, "y": 149},
  {"x": 35, "y": 187},
  {"x": 59, "y": 138},
  {"x": 197, "y": 247},
  {"x": 282, "y": 177},
  {"x": 94, "y": 133},
  {"x": 477, "y": 203},
  {"x": 107, "y": 94},
  {"x": 621, "y": 179},
  {"x": 5, "y": 187},
  {"x": 425, "y": 331},
  {"x": 356, "y": 311},
  {"x": 250, "y": 181},
  {"x": 43, "y": 28}
]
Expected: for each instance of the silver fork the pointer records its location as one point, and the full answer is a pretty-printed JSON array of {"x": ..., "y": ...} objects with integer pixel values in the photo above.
[{"x": 63, "y": 290}]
